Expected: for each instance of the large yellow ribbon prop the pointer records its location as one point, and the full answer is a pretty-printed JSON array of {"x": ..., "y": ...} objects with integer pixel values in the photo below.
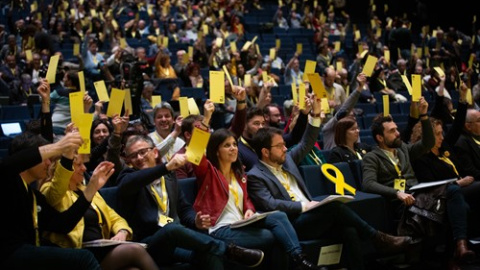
[{"x": 338, "y": 179}]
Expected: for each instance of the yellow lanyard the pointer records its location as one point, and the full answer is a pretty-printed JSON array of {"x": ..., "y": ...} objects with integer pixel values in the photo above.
[
  {"x": 476, "y": 141},
  {"x": 449, "y": 162},
  {"x": 246, "y": 143},
  {"x": 359, "y": 156},
  {"x": 396, "y": 167},
  {"x": 162, "y": 202},
  {"x": 34, "y": 215},
  {"x": 315, "y": 158},
  {"x": 232, "y": 187},
  {"x": 286, "y": 184},
  {"x": 382, "y": 82}
]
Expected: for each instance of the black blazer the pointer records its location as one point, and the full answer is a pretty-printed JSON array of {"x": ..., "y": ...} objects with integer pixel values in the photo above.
[{"x": 468, "y": 152}]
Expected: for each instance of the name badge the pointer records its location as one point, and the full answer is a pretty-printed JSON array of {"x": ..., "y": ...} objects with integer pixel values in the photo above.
[
  {"x": 400, "y": 184},
  {"x": 164, "y": 220}
]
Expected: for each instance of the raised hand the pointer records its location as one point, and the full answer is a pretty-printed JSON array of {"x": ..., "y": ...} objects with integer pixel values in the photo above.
[
  {"x": 87, "y": 102},
  {"x": 69, "y": 143},
  {"x": 176, "y": 162},
  {"x": 101, "y": 174},
  {"x": 239, "y": 93},
  {"x": 178, "y": 126},
  {"x": 208, "y": 109},
  {"x": 422, "y": 106}
]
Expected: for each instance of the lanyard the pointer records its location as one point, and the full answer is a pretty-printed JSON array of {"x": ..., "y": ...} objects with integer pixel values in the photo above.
[
  {"x": 449, "y": 162},
  {"x": 162, "y": 202},
  {"x": 233, "y": 188},
  {"x": 315, "y": 158},
  {"x": 476, "y": 141},
  {"x": 382, "y": 82},
  {"x": 286, "y": 184},
  {"x": 246, "y": 143},
  {"x": 360, "y": 156},
  {"x": 396, "y": 167},
  {"x": 34, "y": 215}
]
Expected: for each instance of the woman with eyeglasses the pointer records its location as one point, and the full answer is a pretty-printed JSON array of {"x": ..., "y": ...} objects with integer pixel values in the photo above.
[
  {"x": 99, "y": 222},
  {"x": 223, "y": 199},
  {"x": 348, "y": 148}
]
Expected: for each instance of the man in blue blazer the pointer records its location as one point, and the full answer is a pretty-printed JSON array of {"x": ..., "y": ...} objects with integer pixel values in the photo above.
[
  {"x": 160, "y": 216},
  {"x": 275, "y": 183}
]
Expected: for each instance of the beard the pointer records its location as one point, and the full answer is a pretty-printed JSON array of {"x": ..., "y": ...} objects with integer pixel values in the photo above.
[
  {"x": 396, "y": 143},
  {"x": 275, "y": 125}
]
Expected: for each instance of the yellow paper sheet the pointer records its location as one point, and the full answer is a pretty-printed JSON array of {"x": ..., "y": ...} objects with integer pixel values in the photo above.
[
  {"x": 386, "y": 105},
  {"x": 116, "y": 102},
  {"x": 407, "y": 84},
  {"x": 165, "y": 42},
  {"x": 246, "y": 45},
  {"x": 233, "y": 47},
  {"x": 28, "y": 55},
  {"x": 271, "y": 54},
  {"x": 217, "y": 86},
  {"x": 76, "y": 49},
  {"x": 254, "y": 39},
  {"x": 330, "y": 254},
  {"x": 183, "y": 102},
  {"x": 81, "y": 79},
  {"x": 197, "y": 146},
  {"x": 357, "y": 35},
  {"x": 419, "y": 52},
  {"x": 228, "y": 75},
  {"x": 218, "y": 42},
  {"x": 386, "y": 54},
  {"x": 325, "y": 106},
  {"x": 299, "y": 48},
  {"x": 337, "y": 45},
  {"x": 264, "y": 76},
  {"x": 101, "y": 91},
  {"x": 294, "y": 93},
  {"x": 469, "y": 97},
  {"x": 190, "y": 52},
  {"x": 339, "y": 66},
  {"x": 301, "y": 96},
  {"x": 127, "y": 102},
  {"x": 416, "y": 87},
  {"x": 205, "y": 29},
  {"x": 123, "y": 43},
  {"x": 192, "y": 107},
  {"x": 370, "y": 65},
  {"x": 156, "y": 100},
  {"x": 439, "y": 70},
  {"x": 309, "y": 68},
  {"x": 52, "y": 68},
  {"x": 470, "y": 60},
  {"x": 258, "y": 49},
  {"x": 278, "y": 43},
  {"x": 76, "y": 107},
  {"x": 248, "y": 80},
  {"x": 84, "y": 129},
  {"x": 317, "y": 85},
  {"x": 185, "y": 58}
]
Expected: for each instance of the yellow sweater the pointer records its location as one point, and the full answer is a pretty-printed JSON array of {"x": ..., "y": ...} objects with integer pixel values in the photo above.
[{"x": 58, "y": 196}]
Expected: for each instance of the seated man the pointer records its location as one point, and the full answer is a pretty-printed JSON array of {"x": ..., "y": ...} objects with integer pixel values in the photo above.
[
  {"x": 275, "y": 183},
  {"x": 467, "y": 146},
  {"x": 156, "y": 208}
]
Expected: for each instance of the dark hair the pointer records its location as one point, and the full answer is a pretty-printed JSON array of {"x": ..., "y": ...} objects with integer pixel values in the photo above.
[
  {"x": 252, "y": 112},
  {"x": 341, "y": 130},
  {"x": 73, "y": 77},
  {"x": 187, "y": 123},
  {"x": 26, "y": 140},
  {"x": 417, "y": 131},
  {"x": 377, "y": 125},
  {"x": 96, "y": 123},
  {"x": 266, "y": 109},
  {"x": 191, "y": 67},
  {"x": 216, "y": 139},
  {"x": 263, "y": 139}
]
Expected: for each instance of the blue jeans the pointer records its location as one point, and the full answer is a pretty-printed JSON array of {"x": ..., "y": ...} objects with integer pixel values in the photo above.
[
  {"x": 457, "y": 212},
  {"x": 32, "y": 257},
  {"x": 175, "y": 242},
  {"x": 263, "y": 234}
]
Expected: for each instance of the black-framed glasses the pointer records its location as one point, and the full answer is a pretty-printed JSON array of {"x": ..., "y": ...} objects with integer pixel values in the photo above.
[
  {"x": 278, "y": 145},
  {"x": 139, "y": 154}
]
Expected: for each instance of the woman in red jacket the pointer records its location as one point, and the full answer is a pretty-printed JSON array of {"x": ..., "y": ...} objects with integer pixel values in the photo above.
[{"x": 223, "y": 199}]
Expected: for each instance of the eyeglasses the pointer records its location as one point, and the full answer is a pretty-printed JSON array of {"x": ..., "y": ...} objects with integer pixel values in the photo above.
[
  {"x": 279, "y": 145},
  {"x": 139, "y": 154}
]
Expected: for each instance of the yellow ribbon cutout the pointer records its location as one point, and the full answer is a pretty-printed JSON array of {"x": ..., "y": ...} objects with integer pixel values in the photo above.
[{"x": 338, "y": 179}]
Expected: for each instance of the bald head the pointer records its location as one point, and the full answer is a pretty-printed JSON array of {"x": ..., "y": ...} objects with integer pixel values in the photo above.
[{"x": 472, "y": 122}]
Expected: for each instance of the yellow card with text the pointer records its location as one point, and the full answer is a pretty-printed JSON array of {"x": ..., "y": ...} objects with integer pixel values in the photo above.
[
  {"x": 301, "y": 96},
  {"x": 76, "y": 49},
  {"x": 317, "y": 85},
  {"x": 370, "y": 65},
  {"x": 217, "y": 86},
  {"x": 325, "y": 105},
  {"x": 439, "y": 70},
  {"x": 76, "y": 107},
  {"x": 309, "y": 68},
  {"x": 52, "y": 68},
  {"x": 248, "y": 80},
  {"x": 156, "y": 100},
  {"x": 101, "y": 91},
  {"x": 127, "y": 102},
  {"x": 84, "y": 128},
  {"x": 416, "y": 87},
  {"x": 407, "y": 84},
  {"x": 386, "y": 105},
  {"x": 183, "y": 102},
  {"x": 330, "y": 254},
  {"x": 299, "y": 48},
  {"x": 294, "y": 93},
  {"x": 192, "y": 107},
  {"x": 264, "y": 76},
  {"x": 229, "y": 78},
  {"x": 116, "y": 102},
  {"x": 81, "y": 79},
  {"x": 197, "y": 146}
]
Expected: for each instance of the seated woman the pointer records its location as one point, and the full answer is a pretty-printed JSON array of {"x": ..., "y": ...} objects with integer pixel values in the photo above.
[
  {"x": 223, "y": 200},
  {"x": 348, "y": 148},
  {"x": 164, "y": 69},
  {"x": 99, "y": 221}
]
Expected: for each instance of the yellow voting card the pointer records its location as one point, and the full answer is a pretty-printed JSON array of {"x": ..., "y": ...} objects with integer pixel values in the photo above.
[
  {"x": 84, "y": 129},
  {"x": 254, "y": 39},
  {"x": 190, "y": 52},
  {"x": 470, "y": 60},
  {"x": 407, "y": 84},
  {"x": 246, "y": 45},
  {"x": 156, "y": 100},
  {"x": 205, "y": 29},
  {"x": 257, "y": 49},
  {"x": 301, "y": 96},
  {"x": 370, "y": 65},
  {"x": 469, "y": 97},
  {"x": 218, "y": 42},
  {"x": 116, "y": 102},
  {"x": 309, "y": 68},
  {"x": 76, "y": 49},
  {"x": 101, "y": 91},
  {"x": 294, "y": 93},
  {"x": 165, "y": 42},
  {"x": 357, "y": 35},
  {"x": 439, "y": 70},
  {"x": 228, "y": 75},
  {"x": 192, "y": 107},
  {"x": 233, "y": 47},
  {"x": 52, "y": 68},
  {"x": 325, "y": 105},
  {"x": 338, "y": 66},
  {"x": 185, "y": 58},
  {"x": 76, "y": 107},
  {"x": 299, "y": 48},
  {"x": 337, "y": 45},
  {"x": 123, "y": 43},
  {"x": 386, "y": 105},
  {"x": 330, "y": 254},
  {"x": 272, "y": 54},
  {"x": 386, "y": 54},
  {"x": 81, "y": 79},
  {"x": 416, "y": 87},
  {"x": 28, "y": 55},
  {"x": 278, "y": 43},
  {"x": 264, "y": 76},
  {"x": 217, "y": 86},
  {"x": 127, "y": 102},
  {"x": 248, "y": 80},
  {"x": 419, "y": 52},
  {"x": 198, "y": 144},
  {"x": 317, "y": 85},
  {"x": 183, "y": 101}
]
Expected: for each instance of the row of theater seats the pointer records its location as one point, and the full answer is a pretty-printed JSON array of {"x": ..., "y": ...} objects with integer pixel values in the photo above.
[{"x": 370, "y": 207}]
